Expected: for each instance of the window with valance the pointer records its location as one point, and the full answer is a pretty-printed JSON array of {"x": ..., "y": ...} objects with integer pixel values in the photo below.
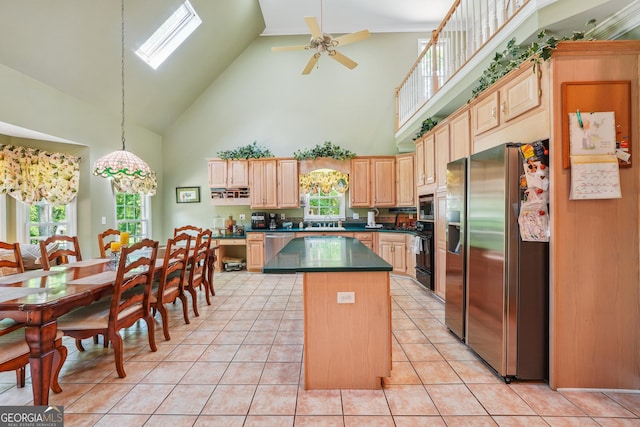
[{"x": 31, "y": 175}]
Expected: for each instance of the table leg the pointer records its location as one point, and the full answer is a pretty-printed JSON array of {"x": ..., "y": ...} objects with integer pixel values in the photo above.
[{"x": 41, "y": 340}]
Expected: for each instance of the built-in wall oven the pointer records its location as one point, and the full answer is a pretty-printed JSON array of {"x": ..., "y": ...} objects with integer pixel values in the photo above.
[{"x": 424, "y": 257}]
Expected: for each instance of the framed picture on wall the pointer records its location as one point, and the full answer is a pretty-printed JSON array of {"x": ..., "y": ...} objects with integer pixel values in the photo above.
[{"x": 187, "y": 194}]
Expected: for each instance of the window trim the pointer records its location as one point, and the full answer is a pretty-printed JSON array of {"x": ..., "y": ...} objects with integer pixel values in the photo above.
[
  {"x": 146, "y": 214},
  {"x": 340, "y": 216},
  {"x": 23, "y": 222},
  {"x": 3, "y": 223}
]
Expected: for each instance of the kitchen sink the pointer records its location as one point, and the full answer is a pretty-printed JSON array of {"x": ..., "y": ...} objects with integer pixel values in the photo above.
[{"x": 325, "y": 228}]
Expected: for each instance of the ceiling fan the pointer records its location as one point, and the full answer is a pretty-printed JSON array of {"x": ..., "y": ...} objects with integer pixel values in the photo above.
[{"x": 322, "y": 42}]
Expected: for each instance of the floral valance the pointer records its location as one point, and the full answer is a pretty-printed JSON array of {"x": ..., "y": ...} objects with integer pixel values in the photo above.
[
  {"x": 30, "y": 175},
  {"x": 324, "y": 180}
]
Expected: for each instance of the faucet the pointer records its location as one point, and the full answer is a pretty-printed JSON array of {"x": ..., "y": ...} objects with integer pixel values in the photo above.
[{"x": 327, "y": 223}]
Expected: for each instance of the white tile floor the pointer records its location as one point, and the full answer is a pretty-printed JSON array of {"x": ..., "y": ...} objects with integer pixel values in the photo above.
[{"x": 240, "y": 364}]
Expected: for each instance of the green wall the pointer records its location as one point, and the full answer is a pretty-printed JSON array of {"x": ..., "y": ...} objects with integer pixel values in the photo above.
[
  {"x": 32, "y": 105},
  {"x": 263, "y": 97}
]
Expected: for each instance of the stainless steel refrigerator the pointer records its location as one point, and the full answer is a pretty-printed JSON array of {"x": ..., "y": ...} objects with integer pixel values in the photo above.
[
  {"x": 454, "y": 309},
  {"x": 507, "y": 279}
]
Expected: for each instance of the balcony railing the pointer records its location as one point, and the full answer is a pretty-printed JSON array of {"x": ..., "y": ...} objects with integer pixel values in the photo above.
[{"x": 467, "y": 27}]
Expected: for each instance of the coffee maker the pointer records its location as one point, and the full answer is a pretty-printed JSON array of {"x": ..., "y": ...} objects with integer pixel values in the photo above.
[
  {"x": 258, "y": 220},
  {"x": 273, "y": 221}
]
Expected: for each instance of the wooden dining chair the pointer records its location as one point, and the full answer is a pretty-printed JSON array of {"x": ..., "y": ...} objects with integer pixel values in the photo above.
[
  {"x": 126, "y": 307},
  {"x": 197, "y": 269},
  {"x": 191, "y": 230},
  {"x": 10, "y": 259},
  {"x": 65, "y": 246},
  {"x": 104, "y": 240},
  {"x": 170, "y": 286},
  {"x": 14, "y": 353}
]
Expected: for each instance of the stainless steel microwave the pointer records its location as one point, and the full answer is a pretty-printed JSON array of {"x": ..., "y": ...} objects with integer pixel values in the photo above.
[{"x": 426, "y": 208}]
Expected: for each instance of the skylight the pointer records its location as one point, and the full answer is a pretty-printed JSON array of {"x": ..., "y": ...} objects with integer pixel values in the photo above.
[{"x": 170, "y": 35}]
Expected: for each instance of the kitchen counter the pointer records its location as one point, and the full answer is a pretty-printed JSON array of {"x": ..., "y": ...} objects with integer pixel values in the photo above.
[
  {"x": 347, "y": 310},
  {"x": 325, "y": 254},
  {"x": 347, "y": 229}
]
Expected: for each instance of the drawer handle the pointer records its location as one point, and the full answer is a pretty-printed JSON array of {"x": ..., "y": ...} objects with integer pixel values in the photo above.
[
  {"x": 493, "y": 112},
  {"x": 503, "y": 107}
]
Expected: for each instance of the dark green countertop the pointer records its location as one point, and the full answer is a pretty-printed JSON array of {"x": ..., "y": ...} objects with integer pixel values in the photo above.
[{"x": 325, "y": 254}]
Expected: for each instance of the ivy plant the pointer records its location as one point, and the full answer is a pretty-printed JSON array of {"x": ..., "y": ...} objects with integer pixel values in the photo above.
[
  {"x": 427, "y": 125},
  {"x": 514, "y": 55},
  {"x": 251, "y": 151},
  {"x": 327, "y": 150}
]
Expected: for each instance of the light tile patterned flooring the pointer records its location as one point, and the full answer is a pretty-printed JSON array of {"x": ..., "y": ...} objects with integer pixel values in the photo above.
[{"x": 240, "y": 364}]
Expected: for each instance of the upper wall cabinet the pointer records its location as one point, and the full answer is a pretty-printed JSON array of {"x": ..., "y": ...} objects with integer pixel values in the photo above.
[
  {"x": 460, "y": 136},
  {"x": 405, "y": 178},
  {"x": 370, "y": 184},
  {"x": 228, "y": 173},
  {"x": 518, "y": 94},
  {"x": 288, "y": 184},
  {"x": 441, "y": 142},
  {"x": 263, "y": 183}
]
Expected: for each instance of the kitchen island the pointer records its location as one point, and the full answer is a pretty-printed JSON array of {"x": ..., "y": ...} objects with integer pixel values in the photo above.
[{"x": 347, "y": 311}]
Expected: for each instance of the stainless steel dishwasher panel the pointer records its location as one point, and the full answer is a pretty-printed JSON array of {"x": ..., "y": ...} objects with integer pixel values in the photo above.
[{"x": 274, "y": 242}]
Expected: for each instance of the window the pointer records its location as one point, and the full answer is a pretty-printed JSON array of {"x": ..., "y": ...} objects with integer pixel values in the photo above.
[
  {"x": 321, "y": 206},
  {"x": 169, "y": 36},
  {"x": 3, "y": 222},
  {"x": 133, "y": 215},
  {"x": 42, "y": 220}
]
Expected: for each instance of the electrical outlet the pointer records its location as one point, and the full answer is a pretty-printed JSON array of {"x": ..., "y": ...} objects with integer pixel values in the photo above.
[
  {"x": 104, "y": 220},
  {"x": 242, "y": 217},
  {"x": 283, "y": 217},
  {"x": 356, "y": 216},
  {"x": 346, "y": 297}
]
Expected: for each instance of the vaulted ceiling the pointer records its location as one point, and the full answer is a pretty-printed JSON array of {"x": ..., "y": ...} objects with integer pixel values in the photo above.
[{"x": 74, "y": 45}]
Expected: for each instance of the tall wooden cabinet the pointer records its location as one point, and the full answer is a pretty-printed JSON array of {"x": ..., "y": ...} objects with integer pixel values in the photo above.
[
  {"x": 369, "y": 185},
  {"x": 405, "y": 178},
  {"x": 263, "y": 183},
  {"x": 288, "y": 184}
]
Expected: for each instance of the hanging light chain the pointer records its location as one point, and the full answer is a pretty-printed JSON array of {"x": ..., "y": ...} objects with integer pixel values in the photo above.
[{"x": 122, "y": 70}]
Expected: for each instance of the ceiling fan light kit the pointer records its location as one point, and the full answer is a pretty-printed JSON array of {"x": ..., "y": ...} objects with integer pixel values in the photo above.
[{"x": 323, "y": 42}]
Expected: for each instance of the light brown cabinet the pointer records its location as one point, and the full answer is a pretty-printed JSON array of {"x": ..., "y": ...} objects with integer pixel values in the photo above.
[
  {"x": 460, "y": 135},
  {"x": 263, "y": 183},
  {"x": 366, "y": 238},
  {"x": 228, "y": 173},
  {"x": 440, "y": 246},
  {"x": 255, "y": 251},
  {"x": 411, "y": 255},
  {"x": 369, "y": 183},
  {"x": 518, "y": 95},
  {"x": 288, "y": 184},
  {"x": 405, "y": 178},
  {"x": 392, "y": 247},
  {"x": 441, "y": 142}
]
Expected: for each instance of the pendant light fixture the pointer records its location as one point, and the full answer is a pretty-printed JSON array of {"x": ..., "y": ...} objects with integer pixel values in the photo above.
[{"x": 129, "y": 172}]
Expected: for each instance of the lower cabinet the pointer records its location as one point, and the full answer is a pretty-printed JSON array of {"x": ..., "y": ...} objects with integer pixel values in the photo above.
[
  {"x": 411, "y": 255},
  {"x": 255, "y": 252},
  {"x": 365, "y": 238},
  {"x": 392, "y": 247}
]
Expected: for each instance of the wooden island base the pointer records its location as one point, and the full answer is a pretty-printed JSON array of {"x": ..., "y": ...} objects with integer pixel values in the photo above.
[{"x": 347, "y": 345}]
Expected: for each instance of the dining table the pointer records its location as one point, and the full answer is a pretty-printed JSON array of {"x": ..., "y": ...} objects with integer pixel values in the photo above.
[{"x": 37, "y": 298}]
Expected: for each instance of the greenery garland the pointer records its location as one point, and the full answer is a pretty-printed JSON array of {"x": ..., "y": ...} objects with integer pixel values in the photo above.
[
  {"x": 514, "y": 55},
  {"x": 327, "y": 150},
  {"x": 251, "y": 151},
  {"x": 427, "y": 125}
]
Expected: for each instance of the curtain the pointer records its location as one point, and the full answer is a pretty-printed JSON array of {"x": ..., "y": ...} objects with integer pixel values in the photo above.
[
  {"x": 324, "y": 180},
  {"x": 30, "y": 175},
  {"x": 133, "y": 184}
]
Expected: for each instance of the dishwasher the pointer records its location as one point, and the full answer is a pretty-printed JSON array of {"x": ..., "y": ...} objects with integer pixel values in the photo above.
[{"x": 274, "y": 242}]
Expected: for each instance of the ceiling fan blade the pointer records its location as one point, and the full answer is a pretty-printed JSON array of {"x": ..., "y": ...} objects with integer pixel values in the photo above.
[
  {"x": 314, "y": 28},
  {"x": 350, "y": 38},
  {"x": 286, "y": 48},
  {"x": 347, "y": 62},
  {"x": 311, "y": 63}
]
